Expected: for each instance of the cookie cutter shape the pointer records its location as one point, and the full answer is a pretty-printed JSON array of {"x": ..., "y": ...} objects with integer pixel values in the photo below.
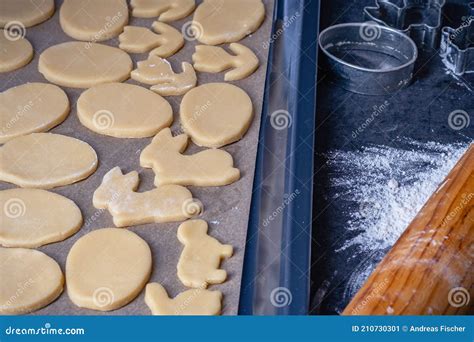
[
  {"x": 167, "y": 203},
  {"x": 158, "y": 72},
  {"x": 215, "y": 59},
  {"x": 367, "y": 58},
  {"x": 457, "y": 47},
  {"x": 212, "y": 167},
  {"x": 191, "y": 302},
  {"x": 163, "y": 41},
  {"x": 165, "y": 10},
  {"x": 419, "y": 19},
  {"x": 199, "y": 263}
]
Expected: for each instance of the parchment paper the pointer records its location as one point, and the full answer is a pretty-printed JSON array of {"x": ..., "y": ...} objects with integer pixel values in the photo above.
[{"x": 226, "y": 208}]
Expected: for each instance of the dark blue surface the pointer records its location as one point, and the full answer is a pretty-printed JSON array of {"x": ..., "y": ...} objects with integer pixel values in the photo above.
[
  {"x": 419, "y": 112},
  {"x": 278, "y": 254}
]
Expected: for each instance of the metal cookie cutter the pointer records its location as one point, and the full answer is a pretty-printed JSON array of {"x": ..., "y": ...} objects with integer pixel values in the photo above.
[
  {"x": 367, "y": 58},
  {"x": 419, "y": 19},
  {"x": 457, "y": 46}
]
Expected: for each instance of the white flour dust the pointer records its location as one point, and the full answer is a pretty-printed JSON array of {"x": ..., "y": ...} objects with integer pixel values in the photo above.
[{"x": 387, "y": 187}]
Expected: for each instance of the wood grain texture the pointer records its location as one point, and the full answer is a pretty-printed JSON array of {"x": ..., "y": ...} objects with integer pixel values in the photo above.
[{"x": 430, "y": 268}]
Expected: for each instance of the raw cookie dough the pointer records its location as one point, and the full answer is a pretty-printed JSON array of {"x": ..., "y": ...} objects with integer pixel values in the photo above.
[
  {"x": 30, "y": 280},
  {"x": 107, "y": 268},
  {"x": 195, "y": 302},
  {"x": 211, "y": 167},
  {"x": 198, "y": 265},
  {"x": 31, "y": 107},
  {"x": 164, "y": 43},
  {"x": 15, "y": 52},
  {"x": 216, "y": 114},
  {"x": 31, "y": 218},
  {"x": 46, "y": 160},
  {"x": 93, "y": 20},
  {"x": 83, "y": 65},
  {"x": 223, "y": 21},
  {"x": 167, "y": 203},
  {"x": 215, "y": 59},
  {"x": 157, "y": 71},
  {"x": 166, "y": 10},
  {"x": 123, "y": 110},
  {"x": 25, "y": 12}
]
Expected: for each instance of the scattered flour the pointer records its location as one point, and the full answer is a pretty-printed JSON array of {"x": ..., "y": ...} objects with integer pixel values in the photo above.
[{"x": 388, "y": 186}]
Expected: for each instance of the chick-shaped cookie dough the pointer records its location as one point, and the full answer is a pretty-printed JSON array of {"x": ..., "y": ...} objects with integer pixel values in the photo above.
[
  {"x": 191, "y": 302},
  {"x": 199, "y": 263},
  {"x": 215, "y": 59},
  {"x": 163, "y": 41},
  {"x": 158, "y": 72}
]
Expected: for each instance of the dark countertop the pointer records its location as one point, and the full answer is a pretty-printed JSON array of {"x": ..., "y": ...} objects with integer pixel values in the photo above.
[{"x": 418, "y": 112}]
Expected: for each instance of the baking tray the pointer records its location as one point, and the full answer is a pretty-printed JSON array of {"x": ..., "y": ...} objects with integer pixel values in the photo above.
[
  {"x": 226, "y": 208},
  {"x": 276, "y": 278}
]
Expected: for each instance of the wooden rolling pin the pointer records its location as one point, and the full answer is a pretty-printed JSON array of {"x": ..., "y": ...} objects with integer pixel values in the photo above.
[{"x": 430, "y": 269}]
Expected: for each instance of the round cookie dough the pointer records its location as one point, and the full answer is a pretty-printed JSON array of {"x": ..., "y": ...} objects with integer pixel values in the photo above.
[
  {"x": 123, "y": 110},
  {"x": 26, "y": 12},
  {"x": 31, "y": 218},
  {"x": 31, "y": 107},
  {"x": 46, "y": 160},
  {"x": 83, "y": 65},
  {"x": 220, "y": 21},
  {"x": 107, "y": 268},
  {"x": 30, "y": 280},
  {"x": 14, "y": 53},
  {"x": 216, "y": 114},
  {"x": 93, "y": 21}
]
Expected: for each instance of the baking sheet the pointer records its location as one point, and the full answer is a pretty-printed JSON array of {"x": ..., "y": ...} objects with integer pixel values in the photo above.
[{"x": 226, "y": 209}]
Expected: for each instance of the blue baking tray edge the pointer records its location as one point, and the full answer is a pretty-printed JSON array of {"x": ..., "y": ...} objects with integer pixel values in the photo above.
[{"x": 296, "y": 237}]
